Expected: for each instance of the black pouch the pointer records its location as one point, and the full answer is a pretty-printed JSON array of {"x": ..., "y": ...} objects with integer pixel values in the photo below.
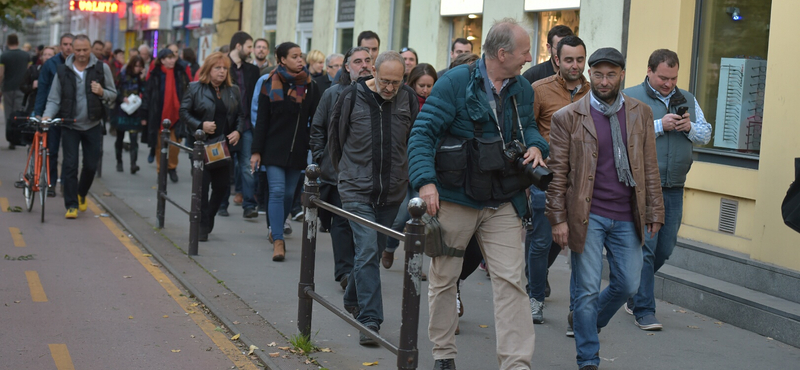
[
  {"x": 490, "y": 153},
  {"x": 451, "y": 162},
  {"x": 478, "y": 183},
  {"x": 434, "y": 240}
]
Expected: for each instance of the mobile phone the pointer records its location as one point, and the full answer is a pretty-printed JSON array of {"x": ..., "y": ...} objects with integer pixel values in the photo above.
[{"x": 682, "y": 111}]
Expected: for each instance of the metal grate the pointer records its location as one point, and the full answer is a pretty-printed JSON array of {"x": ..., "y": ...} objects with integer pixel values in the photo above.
[{"x": 728, "y": 209}]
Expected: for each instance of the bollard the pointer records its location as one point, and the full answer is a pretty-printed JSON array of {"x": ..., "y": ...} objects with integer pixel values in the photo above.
[
  {"x": 308, "y": 258},
  {"x": 162, "y": 174},
  {"x": 197, "y": 190},
  {"x": 408, "y": 354}
]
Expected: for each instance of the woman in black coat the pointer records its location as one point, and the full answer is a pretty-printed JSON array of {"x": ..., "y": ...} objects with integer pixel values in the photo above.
[
  {"x": 30, "y": 81},
  {"x": 287, "y": 100},
  {"x": 213, "y": 104}
]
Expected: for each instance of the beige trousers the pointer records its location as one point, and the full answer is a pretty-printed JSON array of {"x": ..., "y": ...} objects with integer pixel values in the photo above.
[{"x": 499, "y": 234}]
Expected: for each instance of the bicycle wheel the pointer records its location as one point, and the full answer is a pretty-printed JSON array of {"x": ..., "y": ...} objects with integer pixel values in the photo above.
[
  {"x": 43, "y": 185},
  {"x": 27, "y": 191}
]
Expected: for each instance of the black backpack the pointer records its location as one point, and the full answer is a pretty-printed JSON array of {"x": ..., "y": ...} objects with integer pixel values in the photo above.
[{"x": 790, "y": 208}]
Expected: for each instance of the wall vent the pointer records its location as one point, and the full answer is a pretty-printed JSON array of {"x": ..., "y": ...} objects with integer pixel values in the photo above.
[{"x": 728, "y": 209}]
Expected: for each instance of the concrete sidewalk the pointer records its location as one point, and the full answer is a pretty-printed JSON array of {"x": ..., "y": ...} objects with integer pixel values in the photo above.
[{"x": 238, "y": 256}]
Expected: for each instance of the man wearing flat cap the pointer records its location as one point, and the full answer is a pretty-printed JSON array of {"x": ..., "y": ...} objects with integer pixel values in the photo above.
[{"x": 603, "y": 148}]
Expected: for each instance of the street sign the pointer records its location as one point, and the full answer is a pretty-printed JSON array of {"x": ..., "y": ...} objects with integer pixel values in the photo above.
[{"x": 205, "y": 48}]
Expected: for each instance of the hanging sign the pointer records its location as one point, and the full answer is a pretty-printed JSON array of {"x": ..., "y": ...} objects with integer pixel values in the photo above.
[{"x": 94, "y": 6}]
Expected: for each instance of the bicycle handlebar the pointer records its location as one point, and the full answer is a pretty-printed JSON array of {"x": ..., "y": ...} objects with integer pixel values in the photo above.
[{"x": 52, "y": 121}]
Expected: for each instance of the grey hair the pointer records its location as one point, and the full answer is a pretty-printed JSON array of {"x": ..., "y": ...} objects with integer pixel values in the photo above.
[
  {"x": 331, "y": 57},
  {"x": 500, "y": 36},
  {"x": 387, "y": 56},
  {"x": 145, "y": 46},
  {"x": 353, "y": 51}
]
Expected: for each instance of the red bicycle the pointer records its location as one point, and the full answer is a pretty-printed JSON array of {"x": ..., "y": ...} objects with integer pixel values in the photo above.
[{"x": 35, "y": 178}]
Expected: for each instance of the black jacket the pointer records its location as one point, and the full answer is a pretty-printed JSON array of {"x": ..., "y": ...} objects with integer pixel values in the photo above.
[
  {"x": 539, "y": 71},
  {"x": 198, "y": 105},
  {"x": 281, "y": 134},
  {"x": 251, "y": 75},
  {"x": 31, "y": 74},
  {"x": 153, "y": 102},
  {"x": 94, "y": 104},
  {"x": 324, "y": 82}
]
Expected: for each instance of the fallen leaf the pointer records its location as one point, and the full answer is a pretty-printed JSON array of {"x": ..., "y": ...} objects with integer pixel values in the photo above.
[
  {"x": 681, "y": 311},
  {"x": 252, "y": 349},
  {"x": 235, "y": 337},
  {"x": 718, "y": 322},
  {"x": 273, "y": 344},
  {"x": 166, "y": 316},
  {"x": 233, "y": 254},
  {"x": 127, "y": 276},
  {"x": 308, "y": 362},
  {"x": 130, "y": 317},
  {"x": 370, "y": 363},
  {"x": 147, "y": 255},
  {"x": 208, "y": 349},
  {"x": 195, "y": 304},
  {"x": 153, "y": 188},
  {"x": 192, "y": 335},
  {"x": 235, "y": 323},
  {"x": 275, "y": 354},
  {"x": 325, "y": 350},
  {"x": 483, "y": 326},
  {"x": 106, "y": 194},
  {"x": 283, "y": 348},
  {"x": 650, "y": 334},
  {"x": 17, "y": 301},
  {"x": 175, "y": 350},
  {"x": 692, "y": 327},
  {"x": 769, "y": 338}
]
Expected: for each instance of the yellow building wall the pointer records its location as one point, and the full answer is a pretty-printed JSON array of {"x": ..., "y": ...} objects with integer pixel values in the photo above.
[
  {"x": 226, "y": 17},
  {"x": 253, "y": 17},
  {"x": 375, "y": 16}
]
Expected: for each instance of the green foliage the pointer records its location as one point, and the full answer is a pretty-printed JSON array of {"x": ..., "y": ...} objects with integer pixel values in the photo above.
[
  {"x": 13, "y": 11},
  {"x": 302, "y": 344}
]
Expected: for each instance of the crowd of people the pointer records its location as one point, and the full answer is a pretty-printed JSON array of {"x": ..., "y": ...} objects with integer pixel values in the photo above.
[{"x": 386, "y": 127}]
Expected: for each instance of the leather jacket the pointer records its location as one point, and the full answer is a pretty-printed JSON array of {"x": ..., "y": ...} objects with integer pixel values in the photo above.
[
  {"x": 198, "y": 106},
  {"x": 573, "y": 159}
]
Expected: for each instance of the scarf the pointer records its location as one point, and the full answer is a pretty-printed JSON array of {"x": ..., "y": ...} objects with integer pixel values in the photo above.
[
  {"x": 172, "y": 105},
  {"x": 620, "y": 152},
  {"x": 297, "y": 85}
]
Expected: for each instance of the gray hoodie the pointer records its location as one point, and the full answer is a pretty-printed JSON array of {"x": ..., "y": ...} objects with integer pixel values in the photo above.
[{"x": 81, "y": 118}]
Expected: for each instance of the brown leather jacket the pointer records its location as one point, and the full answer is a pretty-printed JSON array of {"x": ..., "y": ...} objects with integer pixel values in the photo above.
[
  {"x": 551, "y": 94},
  {"x": 573, "y": 158}
]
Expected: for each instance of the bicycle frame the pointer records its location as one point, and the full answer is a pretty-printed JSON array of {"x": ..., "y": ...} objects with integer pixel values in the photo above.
[{"x": 38, "y": 153}]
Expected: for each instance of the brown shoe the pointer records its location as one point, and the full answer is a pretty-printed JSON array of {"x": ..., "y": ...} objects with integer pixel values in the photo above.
[
  {"x": 387, "y": 259},
  {"x": 237, "y": 199},
  {"x": 458, "y": 329},
  {"x": 279, "y": 252}
]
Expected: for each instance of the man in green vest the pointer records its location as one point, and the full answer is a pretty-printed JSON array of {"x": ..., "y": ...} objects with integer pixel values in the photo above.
[{"x": 681, "y": 126}]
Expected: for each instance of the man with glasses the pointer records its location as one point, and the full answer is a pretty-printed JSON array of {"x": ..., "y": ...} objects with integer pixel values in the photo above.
[
  {"x": 333, "y": 63},
  {"x": 261, "y": 52},
  {"x": 681, "y": 126},
  {"x": 605, "y": 193},
  {"x": 368, "y": 137}
]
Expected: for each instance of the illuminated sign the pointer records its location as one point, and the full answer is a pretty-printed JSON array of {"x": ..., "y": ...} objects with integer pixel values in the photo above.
[
  {"x": 94, "y": 6},
  {"x": 143, "y": 9}
]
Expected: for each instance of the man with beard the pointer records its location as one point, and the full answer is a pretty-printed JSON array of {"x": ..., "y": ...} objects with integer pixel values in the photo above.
[
  {"x": 261, "y": 52},
  {"x": 606, "y": 192},
  {"x": 552, "y": 94},
  {"x": 98, "y": 50},
  {"x": 357, "y": 65}
]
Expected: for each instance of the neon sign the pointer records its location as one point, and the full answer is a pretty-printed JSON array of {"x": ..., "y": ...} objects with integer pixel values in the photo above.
[{"x": 94, "y": 6}]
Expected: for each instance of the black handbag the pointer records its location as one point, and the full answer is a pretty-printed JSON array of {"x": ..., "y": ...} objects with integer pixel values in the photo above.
[{"x": 790, "y": 208}]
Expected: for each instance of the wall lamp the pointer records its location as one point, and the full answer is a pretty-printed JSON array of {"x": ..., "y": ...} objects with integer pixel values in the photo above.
[{"x": 734, "y": 12}]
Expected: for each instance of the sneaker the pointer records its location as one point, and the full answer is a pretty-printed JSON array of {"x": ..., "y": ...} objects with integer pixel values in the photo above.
[
  {"x": 287, "y": 228},
  {"x": 250, "y": 213},
  {"x": 82, "y": 203},
  {"x": 298, "y": 217},
  {"x": 589, "y": 367},
  {"x": 262, "y": 210},
  {"x": 459, "y": 305},
  {"x": 537, "y": 311},
  {"x": 570, "y": 332},
  {"x": 51, "y": 191},
  {"x": 223, "y": 213},
  {"x": 365, "y": 340},
  {"x": 448, "y": 364},
  {"x": 173, "y": 175},
  {"x": 20, "y": 184},
  {"x": 648, "y": 323},
  {"x": 151, "y": 158},
  {"x": 119, "y": 167},
  {"x": 72, "y": 213},
  {"x": 629, "y": 306}
]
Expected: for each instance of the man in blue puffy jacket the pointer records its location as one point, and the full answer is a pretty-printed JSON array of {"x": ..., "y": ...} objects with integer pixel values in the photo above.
[{"x": 490, "y": 100}]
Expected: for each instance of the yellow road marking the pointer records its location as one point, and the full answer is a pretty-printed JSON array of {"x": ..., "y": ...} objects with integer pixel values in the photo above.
[
  {"x": 4, "y": 204},
  {"x": 37, "y": 291},
  {"x": 208, "y": 327},
  {"x": 61, "y": 357},
  {"x": 16, "y": 236}
]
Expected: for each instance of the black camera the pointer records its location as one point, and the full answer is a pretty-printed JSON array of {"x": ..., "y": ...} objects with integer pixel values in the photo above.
[{"x": 539, "y": 176}]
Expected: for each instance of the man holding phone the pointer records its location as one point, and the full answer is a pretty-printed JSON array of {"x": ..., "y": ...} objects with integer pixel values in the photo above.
[{"x": 681, "y": 126}]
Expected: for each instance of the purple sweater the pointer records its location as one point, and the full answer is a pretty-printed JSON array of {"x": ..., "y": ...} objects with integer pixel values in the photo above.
[{"x": 612, "y": 199}]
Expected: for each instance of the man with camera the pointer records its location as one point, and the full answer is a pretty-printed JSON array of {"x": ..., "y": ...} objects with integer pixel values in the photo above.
[
  {"x": 605, "y": 193},
  {"x": 681, "y": 126},
  {"x": 473, "y": 151}
]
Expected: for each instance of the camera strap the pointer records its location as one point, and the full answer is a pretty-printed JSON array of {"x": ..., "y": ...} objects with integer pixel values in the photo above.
[{"x": 490, "y": 97}]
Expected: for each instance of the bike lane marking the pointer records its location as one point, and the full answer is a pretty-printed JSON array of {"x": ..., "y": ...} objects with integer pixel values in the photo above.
[
  {"x": 4, "y": 204},
  {"x": 35, "y": 285},
  {"x": 61, "y": 357},
  {"x": 209, "y": 328},
  {"x": 16, "y": 236}
]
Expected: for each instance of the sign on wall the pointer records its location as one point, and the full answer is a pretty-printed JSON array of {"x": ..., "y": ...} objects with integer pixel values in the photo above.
[
  {"x": 205, "y": 48},
  {"x": 271, "y": 18},
  {"x": 94, "y": 6},
  {"x": 195, "y": 13},
  {"x": 346, "y": 11},
  {"x": 544, "y": 5},
  {"x": 177, "y": 15},
  {"x": 460, "y": 7},
  {"x": 305, "y": 11}
]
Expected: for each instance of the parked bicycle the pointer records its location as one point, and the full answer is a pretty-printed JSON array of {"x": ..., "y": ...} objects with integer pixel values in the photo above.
[{"x": 35, "y": 178}]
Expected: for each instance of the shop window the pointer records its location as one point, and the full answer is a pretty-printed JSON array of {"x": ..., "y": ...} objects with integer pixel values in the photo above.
[
  {"x": 401, "y": 9},
  {"x": 729, "y": 74},
  {"x": 547, "y": 20},
  {"x": 469, "y": 27},
  {"x": 345, "y": 17}
]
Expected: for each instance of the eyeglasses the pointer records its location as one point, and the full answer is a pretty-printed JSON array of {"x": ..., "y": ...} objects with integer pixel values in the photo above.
[
  {"x": 388, "y": 82},
  {"x": 335, "y": 66},
  {"x": 405, "y": 49}
]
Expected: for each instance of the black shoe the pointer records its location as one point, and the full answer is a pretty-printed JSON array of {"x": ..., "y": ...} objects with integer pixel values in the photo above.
[
  {"x": 223, "y": 213},
  {"x": 365, "y": 340},
  {"x": 589, "y": 367},
  {"x": 134, "y": 169},
  {"x": 250, "y": 213},
  {"x": 448, "y": 364},
  {"x": 119, "y": 167},
  {"x": 343, "y": 282},
  {"x": 202, "y": 237},
  {"x": 12, "y": 147},
  {"x": 51, "y": 191},
  {"x": 20, "y": 184},
  {"x": 547, "y": 286},
  {"x": 173, "y": 175}
]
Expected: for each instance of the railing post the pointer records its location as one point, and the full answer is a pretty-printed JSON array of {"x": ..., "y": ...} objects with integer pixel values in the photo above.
[
  {"x": 308, "y": 258},
  {"x": 197, "y": 191},
  {"x": 408, "y": 354},
  {"x": 162, "y": 174}
]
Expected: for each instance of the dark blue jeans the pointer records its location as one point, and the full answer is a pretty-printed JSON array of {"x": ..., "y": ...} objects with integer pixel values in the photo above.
[
  {"x": 244, "y": 178},
  {"x": 399, "y": 223},
  {"x": 53, "y": 142},
  {"x": 364, "y": 286},
  {"x": 537, "y": 246},
  {"x": 341, "y": 234},
  {"x": 91, "y": 141},
  {"x": 657, "y": 250}
]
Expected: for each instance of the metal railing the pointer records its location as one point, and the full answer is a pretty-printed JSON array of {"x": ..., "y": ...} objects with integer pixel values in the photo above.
[
  {"x": 197, "y": 183},
  {"x": 414, "y": 240}
]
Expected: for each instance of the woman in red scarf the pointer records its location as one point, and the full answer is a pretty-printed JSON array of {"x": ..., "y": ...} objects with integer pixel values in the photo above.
[
  {"x": 286, "y": 102},
  {"x": 165, "y": 87}
]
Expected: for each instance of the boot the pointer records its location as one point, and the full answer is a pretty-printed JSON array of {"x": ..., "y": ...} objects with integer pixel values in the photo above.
[
  {"x": 118, "y": 152},
  {"x": 279, "y": 252},
  {"x": 134, "y": 167},
  {"x": 119, "y": 166}
]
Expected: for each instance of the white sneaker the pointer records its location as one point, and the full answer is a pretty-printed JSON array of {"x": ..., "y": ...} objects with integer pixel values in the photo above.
[{"x": 287, "y": 227}]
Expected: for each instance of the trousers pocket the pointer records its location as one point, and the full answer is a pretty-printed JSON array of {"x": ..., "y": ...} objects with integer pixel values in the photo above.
[
  {"x": 451, "y": 162},
  {"x": 478, "y": 183}
]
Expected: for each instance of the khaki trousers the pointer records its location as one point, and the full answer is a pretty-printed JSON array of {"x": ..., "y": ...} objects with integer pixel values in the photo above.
[
  {"x": 172, "y": 156},
  {"x": 499, "y": 234}
]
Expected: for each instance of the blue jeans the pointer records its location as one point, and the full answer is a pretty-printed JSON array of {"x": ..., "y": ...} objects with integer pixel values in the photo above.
[
  {"x": 657, "y": 250},
  {"x": 593, "y": 308},
  {"x": 399, "y": 223},
  {"x": 245, "y": 179},
  {"x": 281, "y": 182},
  {"x": 364, "y": 285},
  {"x": 537, "y": 246}
]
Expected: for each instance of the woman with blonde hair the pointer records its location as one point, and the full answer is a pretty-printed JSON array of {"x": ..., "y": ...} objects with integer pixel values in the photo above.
[
  {"x": 315, "y": 62},
  {"x": 213, "y": 104}
]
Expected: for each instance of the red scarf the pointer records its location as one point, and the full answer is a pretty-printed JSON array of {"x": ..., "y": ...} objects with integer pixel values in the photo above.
[{"x": 171, "y": 103}]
